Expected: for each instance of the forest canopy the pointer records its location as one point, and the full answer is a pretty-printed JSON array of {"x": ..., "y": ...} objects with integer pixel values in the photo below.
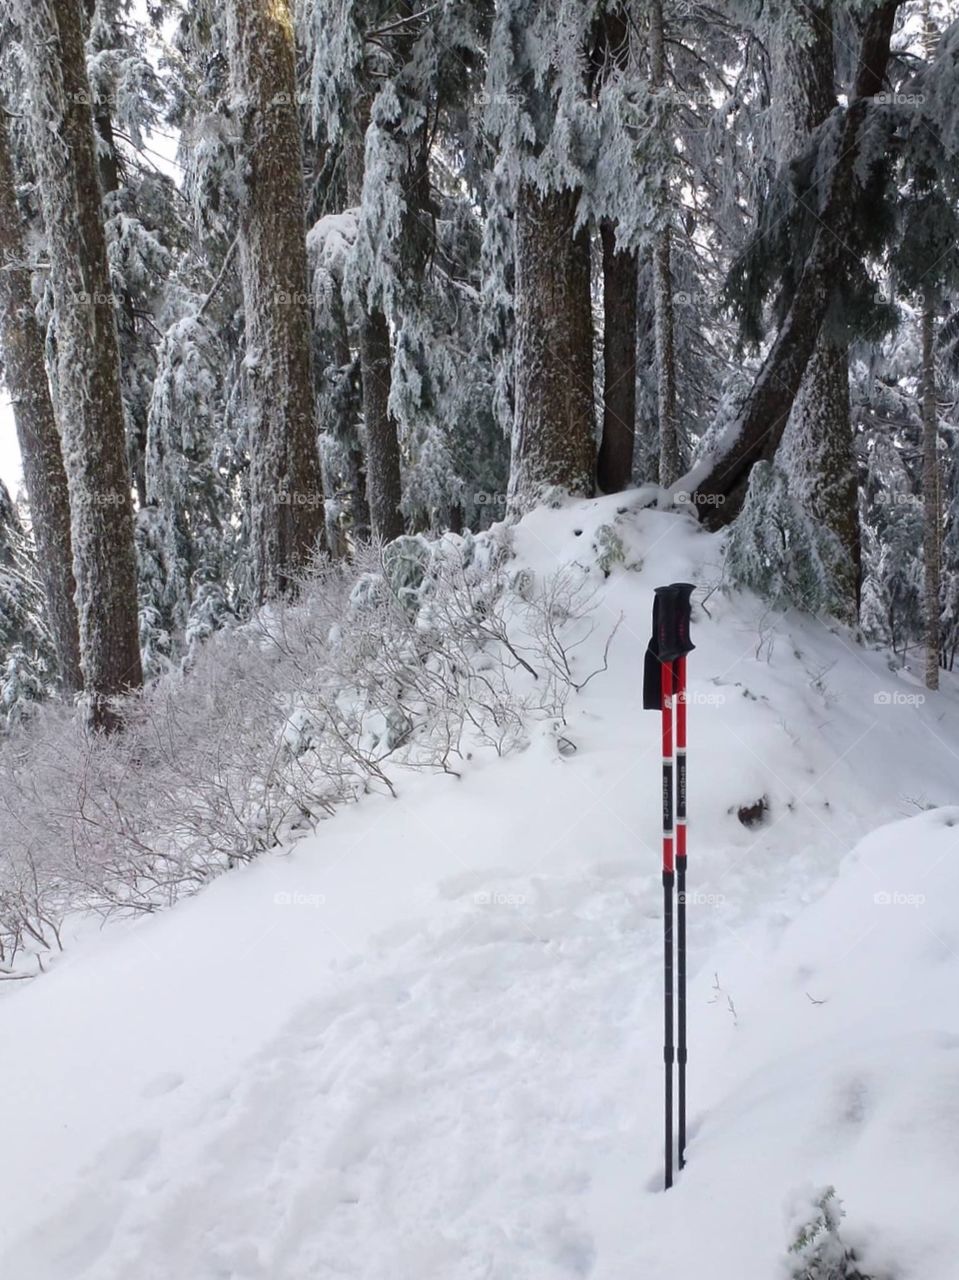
[{"x": 280, "y": 280}]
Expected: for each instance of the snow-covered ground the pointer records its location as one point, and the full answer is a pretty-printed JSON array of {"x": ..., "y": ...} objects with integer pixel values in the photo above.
[{"x": 425, "y": 1044}]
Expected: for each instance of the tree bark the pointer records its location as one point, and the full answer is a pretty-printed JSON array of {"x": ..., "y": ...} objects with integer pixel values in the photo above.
[
  {"x": 931, "y": 496},
  {"x": 384, "y": 491},
  {"x": 718, "y": 485},
  {"x": 110, "y": 172},
  {"x": 614, "y": 468},
  {"x": 819, "y": 434},
  {"x": 285, "y": 479},
  {"x": 90, "y": 402},
  {"x": 663, "y": 287},
  {"x": 39, "y": 439},
  {"x": 384, "y": 480},
  {"x": 823, "y": 470},
  {"x": 553, "y": 428},
  {"x": 339, "y": 407},
  {"x": 665, "y": 359}
]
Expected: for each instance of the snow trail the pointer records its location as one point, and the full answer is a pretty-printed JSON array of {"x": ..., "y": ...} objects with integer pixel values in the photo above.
[{"x": 426, "y": 1042}]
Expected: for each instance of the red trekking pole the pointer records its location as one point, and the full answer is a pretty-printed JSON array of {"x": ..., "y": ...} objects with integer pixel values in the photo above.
[
  {"x": 666, "y": 689},
  {"x": 664, "y": 684},
  {"x": 679, "y": 682}
]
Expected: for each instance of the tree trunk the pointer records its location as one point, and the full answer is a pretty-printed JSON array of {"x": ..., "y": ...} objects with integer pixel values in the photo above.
[
  {"x": 718, "y": 483},
  {"x": 383, "y": 485},
  {"x": 663, "y": 286},
  {"x": 110, "y": 172},
  {"x": 553, "y": 427},
  {"x": 614, "y": 468},
  {"x": 665, "y": 359},
  {"x": 285, "y": 481},
  {"x": 931, "y": 498},
  {"x": 818, "y": 436},
  {"x": 91, "y": 407},
  {"x": 384, "y": 480},
  {"x": 338, "y": 417},
  {"x": 823, "y": 466},
  {"x": 43, "y": 471}
]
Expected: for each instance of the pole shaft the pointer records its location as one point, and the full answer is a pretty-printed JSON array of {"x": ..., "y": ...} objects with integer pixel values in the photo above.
[
  {"x": 680, "y": 687},
  {"x": 668, "y": 879}
]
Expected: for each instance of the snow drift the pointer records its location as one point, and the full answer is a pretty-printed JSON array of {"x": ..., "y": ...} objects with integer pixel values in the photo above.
[{"x": 425, "y": 1041}]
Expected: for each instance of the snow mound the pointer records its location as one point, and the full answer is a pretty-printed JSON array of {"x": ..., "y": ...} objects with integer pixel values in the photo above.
[
  {"x": 840, "y": 1067},
  {"x": 426, "y": 1042}
]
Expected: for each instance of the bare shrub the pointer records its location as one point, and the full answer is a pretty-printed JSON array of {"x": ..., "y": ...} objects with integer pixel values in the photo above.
[{"x": 410, "y": 658}]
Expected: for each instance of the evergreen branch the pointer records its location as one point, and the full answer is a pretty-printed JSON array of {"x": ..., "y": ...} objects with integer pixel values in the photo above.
[{"x": 228, "y": 257}]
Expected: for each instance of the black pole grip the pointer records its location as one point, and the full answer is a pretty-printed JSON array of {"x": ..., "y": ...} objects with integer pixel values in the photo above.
[{"x": 672, "y": 607}]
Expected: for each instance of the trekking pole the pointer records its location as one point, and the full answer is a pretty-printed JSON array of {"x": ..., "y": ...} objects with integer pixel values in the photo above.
[
  {"x": 679, "y": 682},
  {"x": 666, "y": 675},
  {"x": 666, "y": 659}
]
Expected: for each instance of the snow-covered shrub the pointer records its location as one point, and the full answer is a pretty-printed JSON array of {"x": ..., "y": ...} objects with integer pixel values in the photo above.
[
  {"x": 412, "y": 657},
  {"x": 609, "y": 549},
  {"x": 893, "y": 581},
  {"x": 405, "y": 562},
  {"x": 27, "y": 662},
  {"x": 817, "y": 1251},
  {"x": 21, "y": 687},
  {"x": 778, "y": 551}
]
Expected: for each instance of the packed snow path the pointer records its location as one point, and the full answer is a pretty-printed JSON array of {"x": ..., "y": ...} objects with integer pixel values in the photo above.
[{"x": 426, "y": 1043}]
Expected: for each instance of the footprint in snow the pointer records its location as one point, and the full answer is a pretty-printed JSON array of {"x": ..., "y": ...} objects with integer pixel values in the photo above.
[
  {"x": 162, "y": 1084},
  {"x": 129, "y": 1156}
]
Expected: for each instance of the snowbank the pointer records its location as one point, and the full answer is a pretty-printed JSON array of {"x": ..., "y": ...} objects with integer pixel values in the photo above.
[{"x": 426, "y": 1041}]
